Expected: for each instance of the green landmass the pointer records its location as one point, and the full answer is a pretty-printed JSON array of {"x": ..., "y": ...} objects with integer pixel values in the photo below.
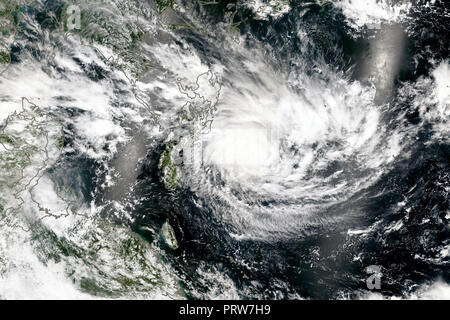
[
  {"x": 162, "y": 5},
  {"x": 169, "y": 170},
  {"x": 168, "y": 234}
]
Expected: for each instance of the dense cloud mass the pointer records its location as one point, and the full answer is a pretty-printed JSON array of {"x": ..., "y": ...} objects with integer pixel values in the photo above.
[{"x": 264, "y": 149}]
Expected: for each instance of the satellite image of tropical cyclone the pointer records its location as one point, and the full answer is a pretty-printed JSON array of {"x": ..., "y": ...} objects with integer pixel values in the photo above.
[{"x": 224, "y": 149}]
